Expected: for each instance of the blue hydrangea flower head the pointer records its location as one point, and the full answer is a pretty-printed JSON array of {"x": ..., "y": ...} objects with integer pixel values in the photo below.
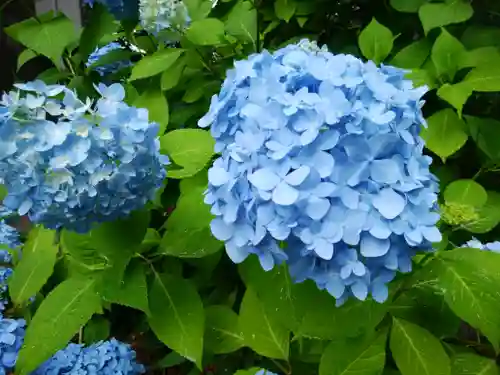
[
  {"x": 264, "y": 372},
  {"x": 11, "y": 339},
  {"x": 69, "y": 163},
  {"x": 120, "y": 9},
  {"x": 9, "y": 240},
  {"x": 321, "y": 166},
  {"x": 157, "y": 15},
  {"x": 490, "y": 246},
  {"x": 110, "y": 68},
  {"x": 102, "y": 358}
]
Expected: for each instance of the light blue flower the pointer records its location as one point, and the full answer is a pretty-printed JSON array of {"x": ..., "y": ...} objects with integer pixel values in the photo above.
[
  {"x": 264, "y": 372},
  {"x": 9, "y": 241},
  {"x": 158, "y": 15},
  {"x": 102, "y": 358},
  {"x": 11, "y": 339},
  {"x": 69, "y": 163},
  {"x": 321, "y": 166},
  {"x": 490, "y": 246},
  {"x": 112, "y": 67},
  {"x": 120, "y": 9}
]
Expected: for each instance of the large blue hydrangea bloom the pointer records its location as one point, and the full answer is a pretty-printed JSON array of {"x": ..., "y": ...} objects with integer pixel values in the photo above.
[
  {"x": 158, "y": 15},
  {"x": 68, "y": 163},
  {"x": 120, "y": 9},
  {"x": 9, "y": 240},
  {"x": 11, "y": 339},
  {"x": 321, "y": 166},
  {"x": 490, "y": 246},
  {"x": 110, "y": 68},
  {"x": 102, "y": 358}
]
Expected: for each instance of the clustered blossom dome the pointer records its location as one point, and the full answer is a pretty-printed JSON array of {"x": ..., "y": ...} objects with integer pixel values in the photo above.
[
  {"x": 321, "y": 166},
  {"x": 102, "y": 358},
  {"x": 11, "y": 339},
  {"x": 68, "y": 163},
  {"x": 110, "y": 68},
  {"x": 490, "y": 246},
  {"x": 157, "y": 15}
]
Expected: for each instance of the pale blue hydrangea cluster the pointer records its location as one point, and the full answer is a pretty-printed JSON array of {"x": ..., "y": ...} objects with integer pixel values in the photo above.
[
  {"x": 322, "y": 167},
  {"x": 158, "y": 15},
  {"x": 264, "y": 372},
  {"x": 102, "y": 358},
  {"x": 69, "y": 163},
  {"x": 120, "y": 9},
  {"x": 112, "y": 67},
  {"x": 9, "y": 240},
  {"x": 490, "y": 246},
  {"x": 11, "y": 339}
]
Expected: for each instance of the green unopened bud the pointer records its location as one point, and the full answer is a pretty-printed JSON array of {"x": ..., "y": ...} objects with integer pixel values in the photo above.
[{"x": 458, "y": 214}]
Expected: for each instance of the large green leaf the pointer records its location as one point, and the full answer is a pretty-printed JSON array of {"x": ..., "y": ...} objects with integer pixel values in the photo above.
[
  {"x": 407, "y": 6},
  {"x": 413, "y": 55},
  {"x": 261, "y": 333},
  {"x": 36, "y": 265},
  {"x": 222, "y": 330},
  {"x": 473, "y": 364},
  {"x": 457, "y": 94},
  {"x": 484, "y": 78},
  {"x": 479, "y": 56},
  {"x": 488, "y": 215},
  {"x": 132, "y": 291},
  {"x": 478, "y": 35},
  {"x": 466, "y": 191},
  {"x": 188, "y": 235},
  {"x": 97, "y": 329},
  {"x": 156, "y": 103},
  {"x": 156, "y": 63},
  {"x": 447, "y": 52},
  {"x": 364, "y": 356},
  {"x": 206, "y": 32},
  {"x": 101, "y": 23},
  {"x": 469, "y": 280},
  {"x": 416, "y": 351},
  {"x": 198, "y": 9},
  {"x": 171, "y": 76},
  {"x": 285, "y": 9},
  {"x": 190, "y": 149},
  {"x": 376, "y": 41},
  {"x": 62, "y": 313},
  {"x": 274, "y": 289},
  {"x": 24, "y": 57},
  {"x": 242, "y": 22},
  {"x": 49, "y": 37},
  {"x": 177, "y": 317},
  {"x": 445, "y": 133},
  {"x": 441, "y": 14}
]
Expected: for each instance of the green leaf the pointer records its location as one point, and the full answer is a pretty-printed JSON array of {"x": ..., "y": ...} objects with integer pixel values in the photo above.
[
  {"x": 407, "y": 6},
  {"x": 101, "y": 23},
  {"x": 24, "y": 57},
  {"x": 177, "y": 317},
  {"x": 485, "y": 78},
  {"x": 132, "y": 291},
  {"x": 206, "y": 32},
  {"x": 425, "y": 306},
  {"x": 158, "y": 62},
  {"x": 171, "y": 77},
  {"x": 285, "y": 9},
  {"x": 446, "y": 53},
  {"x": 190, "y": 149},
  {"x": 413, "y": 55},
  {"x": 423, "y": 77},
  {"x": 242, "y": 22},
  {"x": 434, "y": 15},
  {"x": 477, "y": 36},
  {"x": 469, "y": 280},
  {"x": 97, "y": 329},
  {"x": 486, "y": 133},
  {"x": 473, "y": 364},
  {"x": 261, "y": 333},
  {"x": 354, "y": 357},
  {"x": 376, "y": 41},
  {"x": 222, "y": 330},
  {"x": 61, "y": 314},
  {"x": 198, "y": 9},
  {"x": 170, "y": 360},
  {"x": 416, "y": 351},
  {"x": 188, "y": 235},
  {"x": 274, "y": 289},
  {"x": 112, "y": 57},
  {"x": 36, "y": 265},
  {"x": 444, "y": 134},
  {"x": 488, "y": 215},
  {"x": 156, "y": 104},
  {"x": 479, "y": 56},
  {"x": 48, "y": 38},
  {"x": 320, "y": 318},
  {"x": 467, "y": 192},
  {"x": 81, "y": 253},
  {"x": 457, "y": 95}
]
